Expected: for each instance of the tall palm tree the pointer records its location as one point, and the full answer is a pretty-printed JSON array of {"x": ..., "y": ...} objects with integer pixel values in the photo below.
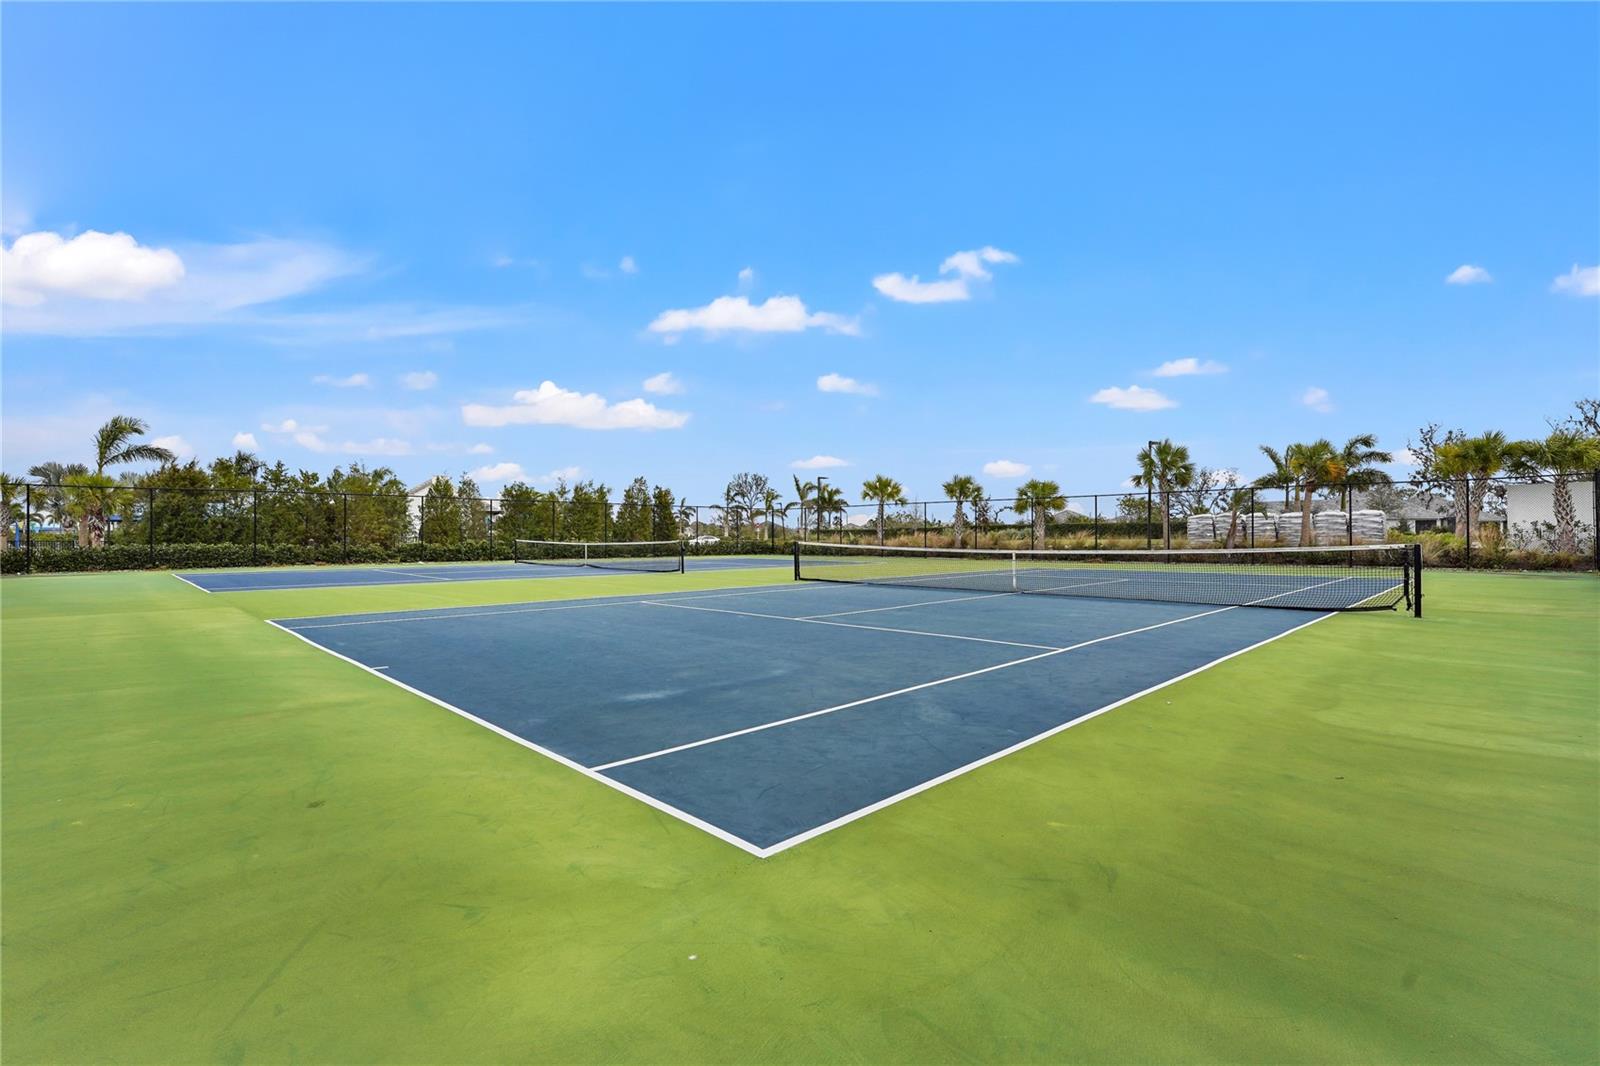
[
  {"x": 115, "y": 444},
  {"x": 51, "y": 502},
  {"x": 830, "y": 503},
  {"x": 1165, "y": 467},
  {"x": 961, "y": 489},
  {"x": 803, "y": 493},
  {"x": 1281, "y": 476},
  {"x": 1484, "y": 456},
  {"x": 1038, "y": 498},
  {"x": 1318, "y": 464},
  {"x": 772, "y": 500},
  {"x": 1562, "y": 455},
  {"x": 688, "y": 518},
  {"x": 885, "y": 490}
]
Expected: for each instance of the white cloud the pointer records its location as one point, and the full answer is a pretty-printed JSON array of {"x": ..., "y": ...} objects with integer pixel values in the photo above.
[
  {"x": 354, "y": 381},
  {"x": 840, "y": 383},
  {"x": 663, "y": 384},
  {"x": 565, "y": 473},
  {"x": 312, "y": 441},
  {"x": 819, "y": 462},
  {"x": 913, "y": 290},
  {"x": 418, "y": 380},
  {"x": 551, "y": 405},
  {"x": 498, "y": 473},
  {"x": 1132, "y": 398},
  {"x": 1405, "y": 457},
  {"x": 964, "y": 265},
  {"x": 481, "y": 449},
  {"x": 1177, "y": 368},
  {"x": 1579, "y": 281},
  {"x": 1006, "y": 468},
  {"x": 728, "y": 314},
  {"x": 970, "y": 264},
  {"x": 90, "y": 266},
  {"x": 176, "y": 445},
  {"x": 246, "y": 441},
  {"x": 1317, "y": 399},
  {"x": 288, "y": 425},
  {"x": 99, "y": 284},
  {"x": 628, "y": 266},
  {"x": 747, "y": 278},
  {"x": 1467, "y": 274}
]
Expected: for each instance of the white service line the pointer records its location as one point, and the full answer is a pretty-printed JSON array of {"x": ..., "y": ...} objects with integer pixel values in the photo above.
[
  {"x": 903, "y": 606},
  {"x": 845, "y": 819},
  {"x": 901, "y": 691},
  {"x": 664, "y": 808},
  {"x": 409, "y": 573},
  {"x": 848, "y": 625}
]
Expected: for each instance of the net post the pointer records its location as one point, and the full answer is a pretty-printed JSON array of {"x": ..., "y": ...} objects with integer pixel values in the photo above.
[
  {"x": 1416, "y": 565},
  {"x": 795, "y": 549},
  {"x": 683, "y": 562}
]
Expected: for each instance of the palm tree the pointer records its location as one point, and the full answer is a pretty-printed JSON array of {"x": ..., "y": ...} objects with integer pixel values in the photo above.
[
  {"x": 771, "y": 499},
  {"x": 885, "y": 490},
  {"x": 803, "y": 491},
  {"x": 1318, "y": 464},
  {"x": 1484, "y": 456},
  {"x": 830, "y": 503},
  {"x": 1038, "y": 498},
  {"x": 1451, "y": 461},
  {"x": 1563, "y": 454},
  {"x": 961, "y": 489},
  {"x": 1280, "y": 478},
  {"x": 114, "y": 445},
  {"x": 52, "y": 501},
  {"x": 689, "y": 518},
  {"x": 1165, "y": 467},
  {"x": 11, "y": 494}
]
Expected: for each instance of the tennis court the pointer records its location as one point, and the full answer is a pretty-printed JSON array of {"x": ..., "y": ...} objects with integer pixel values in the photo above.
[{"x": 768, "y": 716}]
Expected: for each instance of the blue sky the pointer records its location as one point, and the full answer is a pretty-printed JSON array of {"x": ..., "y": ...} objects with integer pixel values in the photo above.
[{"x": 915, "y": 240}]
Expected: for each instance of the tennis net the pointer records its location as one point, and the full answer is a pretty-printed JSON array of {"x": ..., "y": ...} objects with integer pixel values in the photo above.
[
  {"x": 1363, "y": 577},
  {"x": 645, "y": 556}
]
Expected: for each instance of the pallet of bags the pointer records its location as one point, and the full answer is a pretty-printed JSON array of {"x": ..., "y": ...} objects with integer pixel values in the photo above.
[
  {"x": 1331, "y": 527},
  {"x": 1259, "y": 529},
  {"x": 1289, "y": 529},
  {"x": 1202, "y": 530},
  {"x": 1371, "y": 527}
]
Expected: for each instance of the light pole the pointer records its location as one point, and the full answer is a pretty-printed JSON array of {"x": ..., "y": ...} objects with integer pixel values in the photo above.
[
  {"x": 1149, "y": 496},
  {"x": 820, "y": 480}
]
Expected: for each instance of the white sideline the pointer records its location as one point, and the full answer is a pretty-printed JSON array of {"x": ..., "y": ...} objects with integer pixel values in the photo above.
[
  {"x": 665, "y": 808},
  {"x": 191, "y": 584},
  {"x": 902, "y": 691},
  {"x": 851, "y": 625},
  {"x": 903, "y": 606}
]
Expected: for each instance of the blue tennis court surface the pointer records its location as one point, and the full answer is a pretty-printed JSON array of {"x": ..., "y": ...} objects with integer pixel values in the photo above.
[
  {"x": 327, "y": 577},
  {"x": 770, "y": 715}
]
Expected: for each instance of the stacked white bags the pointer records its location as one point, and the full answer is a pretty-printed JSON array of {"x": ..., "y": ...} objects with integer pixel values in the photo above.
[
  {"x": 1370, "y": 527},
  {"x": 1330, "y": 527},
  {"x": 1203, "y": 529},
  {"x": 1289, "y": 529},
  {"x": 1258, "y": 529}
]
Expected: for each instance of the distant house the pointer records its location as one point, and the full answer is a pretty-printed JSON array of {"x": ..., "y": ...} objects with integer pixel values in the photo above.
[
  {"x": 414, "y": 497},
  {"x": 1424, "y": 512}
]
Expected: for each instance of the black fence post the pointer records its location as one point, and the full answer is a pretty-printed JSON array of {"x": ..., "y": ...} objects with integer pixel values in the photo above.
[
  {"x": 345, "y": 533},
  {"x": 1252, "y": 516},
  {"x": 1467, "y": 562},
  {"x": 1097, "y": 523},
  {"x": 1594, "y": 498},
  {"x": 422, "y": 521},
  {"x": 150, "y": 519},
  {"x": 255, "y": 513},
  {"x": 1349, "y": 515},
  {"x": 27, "y": 528},
  {"x": 1149, "y": 518},
  {"x": 489, "y": 518},
  {"x": 924, "y": 525}
]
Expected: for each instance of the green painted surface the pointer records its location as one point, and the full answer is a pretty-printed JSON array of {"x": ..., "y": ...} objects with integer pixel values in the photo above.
[{"x": 1374, "y": 840}]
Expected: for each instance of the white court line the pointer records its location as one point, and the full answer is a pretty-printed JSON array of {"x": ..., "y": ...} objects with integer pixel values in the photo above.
[
  {"x": 901, "y": 691},
  {"x": 849, "y": 625},
  {"x": 903, "y": 606},
  {"x": 191, "y": 584},
  {"x": 665, "y": 808},
  {"x": 845, "y": 819},
  {"x": 409, "y": 573},
  {"x": 442, "y": 614}
]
